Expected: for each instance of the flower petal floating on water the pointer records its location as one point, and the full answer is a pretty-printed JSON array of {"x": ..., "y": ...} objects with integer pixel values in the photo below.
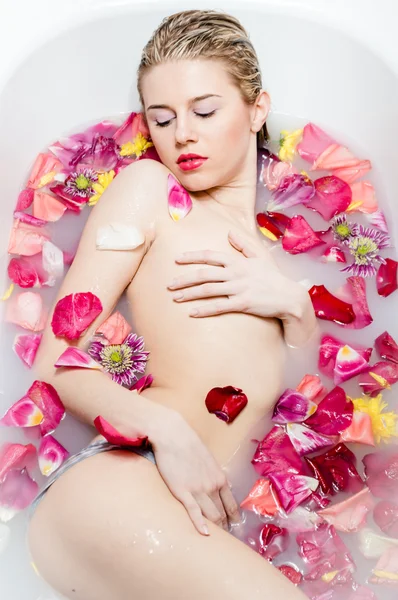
[
  {"x": 268, "y": 228},
  {"x": 385, "y": 515},
  {"x": 260, "y": 499},
  {"x": 292, "y": 489},
  {"x": 292, "y": 573},
  {"x": 333, "y": 254},
  {"x": 342, "y": 162},
  {"x": 179, "y": 201},
  {"x": 334, "y": 413},
  {"x": 273, "y": 541},
  {"x": 5, "y": 534},
  {"x": 384, "y": 425},
  {"x": 25, "y": 199},
  {"x": 350, "y": 515},
  {"x": 365, "y": 247},
  {"x": 386, "y": 278},
  {"x": 47, "y": 207},
  {"x": 372, "y": 545},
  {"x": 142, "y": 384},
  {"x": 26, "y": 310},
  {"x": 74, "y": 357},
  {"x": 74, "y": 313},
  {"x": 386, "y": 570},
  {"x": 379, "y": 377},
  {"x": 26, "y": 240},
  {"x": 51, "y": 455},
  {"x": 275, "y": 453},
  {"x": 115, "y": 329},
  {"x": 299, "y": 236},
  {"x": 26, "y": 345},
  {"x": 17, "y": 457},
  {"x": 329, "y": 307},
  {"x": 293, "y": 407},
  {"x": 118, "y": 236},
  {"x": 124, "y": 362},
  {"x": 226, "y": 402},
  {"x": 27, "y": 272},
  {"x": 312, "y": 387},
  {"x": 46, "y": 398},
  {"x": 335, "y": 470},
  {"x": 387, "y": 347},
  {"x": 363, "y": 198},
  {"x": 324, "y": 547},
  {"x": 354, "y": 292},
  {"x": 299, "y": 520},
  {"x": 104, "y": 181},
  {"x": 305, "y": 440},
  {"x": 378, "y": 219},
  {"x": 45, "y": 168},
  {"x": 53, "y": 263},
  {"x": 28, "y": 219},
  {"x": 360, "y": 431},
  {"x": 329, "y": 349},
  {"x": 293, "y": 189},
  {"x": 381, "y": 471},
  {"x": 287, "y": 144},
  {"x": 274, "y": 172},
  {"x": 361, "y": 592},
  {"x": 332, "y": 196},
  {"x": 314, "y": 142},
  {"x": 17, "y": 492},
  {"x": 349, "y": 363},
  {"x": 113, "y": 436}
]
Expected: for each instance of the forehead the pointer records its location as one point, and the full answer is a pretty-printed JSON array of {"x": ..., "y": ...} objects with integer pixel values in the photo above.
[{"x": 182, "y": 80}]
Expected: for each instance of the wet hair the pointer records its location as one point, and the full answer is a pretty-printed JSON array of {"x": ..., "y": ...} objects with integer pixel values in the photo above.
[{"x": 207, "y": 34}]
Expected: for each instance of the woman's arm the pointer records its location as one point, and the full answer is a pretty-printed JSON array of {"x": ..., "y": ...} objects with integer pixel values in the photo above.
[{"x": 132, "y": 199}]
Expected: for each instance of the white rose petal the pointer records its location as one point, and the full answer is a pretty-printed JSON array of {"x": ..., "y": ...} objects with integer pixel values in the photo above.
[
  {"x": 117, "y": 236},
  {"x": 53, "y": 262}
]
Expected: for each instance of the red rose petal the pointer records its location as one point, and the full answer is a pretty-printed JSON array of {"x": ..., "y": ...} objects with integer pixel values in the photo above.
[
  {"x": 378, "y": 377},
  {"x": 354, "y": 292},
  {"x": 335, "y": 470},
  {"x": 334, "y": 413},
  {"x": 226, "y": 403},
  {"x": 291, "y": 573},
  {"x": 113, "y": 436},
  {"x": 387, "y": 347},
  {"x": 74, "y": 313},
  {"x": 273, "y": 541},
  {"x": 330, "y": 308},
  {"x": 386, "y": 278},
  {"x": 332, "y": 196},
  {"x": 299, "y": 236},
  {"x": 275, "y": 453}
]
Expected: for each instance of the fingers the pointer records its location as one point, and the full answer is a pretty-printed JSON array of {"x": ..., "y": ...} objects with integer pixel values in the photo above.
[
  {"x": 212, "y": 274},
  {"x": 207, "y": 290},
  {"x": 230, "y": 505},
  {"x": 213, "y": 509},
  {"x": 218, "y": 307},
  {"x": 195, "y": 513},
  {"x": 209, "y": 257},
  {"x": 239, "y": 242}
]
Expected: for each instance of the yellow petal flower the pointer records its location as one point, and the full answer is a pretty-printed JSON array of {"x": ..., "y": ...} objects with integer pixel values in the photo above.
[
  {"x": 384, "y": 425},
  {"x": 8, "y": 292},
  {"x": 46, "y": 179},
  {"x": 137, "y": 147},
  {"x": 104, "y": 180},
  {"x": 288, "y": 143}
]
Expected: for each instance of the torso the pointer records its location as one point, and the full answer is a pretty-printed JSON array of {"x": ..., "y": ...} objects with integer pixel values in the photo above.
[{"x": 189, "y": 356}]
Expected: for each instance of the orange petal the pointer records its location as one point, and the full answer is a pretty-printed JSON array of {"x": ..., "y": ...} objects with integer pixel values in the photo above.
[
  {"x": 360, "y": 430},
  {"x": 115, "y": 328},
  {"x": 26, "y": 240},
  {"x": 349, "y": 515},
  {"x": 47, "y": 207},
  {"x": 363, "y": 198},
  {"x": 26, "y": 310},
  {"x": 45, "y": 168},
  {"x": 261, "y": 499}
]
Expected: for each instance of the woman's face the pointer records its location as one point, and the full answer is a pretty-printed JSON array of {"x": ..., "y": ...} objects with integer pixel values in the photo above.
[{"x": 192, "y": 106}]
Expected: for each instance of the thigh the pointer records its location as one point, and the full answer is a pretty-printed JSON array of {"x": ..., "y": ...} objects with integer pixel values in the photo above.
[{"x": 110, "y": 528}]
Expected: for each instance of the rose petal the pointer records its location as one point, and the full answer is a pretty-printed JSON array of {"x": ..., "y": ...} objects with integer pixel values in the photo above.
[
  {"x": 268, "y": 227},
  {"x": 335, "y": 470},
  {"x": 387, "y": 347},
  {"x": 333, "y": 254},
  {"x": 274, "y": 172},
  {"x": 378, "y": 377},
  {"x": 323, "y": 545},
  {"x": 17, "y": 456},
  {"x": 273, "y": 541},
  {"x": 299, "y": 520},
  {"x": 342, "y": 162},
  {"x": 329, "y": 307},
  {"x": 378, "y": 219},
  {"x": 123, "y": 134},
  {"x": 292, "y": 407},
  {"x": 363, "y": 197},
  {"x": 305, "y": 440},
  {"x": 312, "y": 387},
  {"x": 179, "y": 200},
  {"x": 28, "y": 219},
  {"x": 381, "y": 471},
  {"x": 349, "y": 363},
  {"x": 350, "y": 515},
  {"x": 334, "y": 413},
  {"x": 142, "y": 384},
  {"x": 115, "y": 329},
  {"x": 73, "y": 203},
  {"x": 260, "y": 499},
  {"x": 293, "y": 189},
  {"x": 385, "y": 515},
  {"x": 26, "y": 271},
  {"x": 47, "y": 207},
  {"x": 362, "y": 592},
  {"x": 114, "y": 436},
  {"x": 5, "y": 534},
  {"x": 25, "y": 199},
  {"x": 386, "y": 278},
  {"x": 226, "y": 403},
  {"x": 360, "y": 431},
  {"x": 275, "y": 453},
  {"x": 354, "y": 292},
  {"x": 43, "y": 171},
  {"x": 26, "y": 240},
  {"x": 332, "y": 196},
  {"x": 350, "y": 174},
  {"x": 372, "y": 545},
  {"x": 292, "y": 573},
  {"x": 46, "y": 398},
  {"x": 17, "y": 492},
  {"x": 26, "y": 345},
  {"x": 74, "y": 357},
  {"x": 313, "y": 142},
  {"x": 51, "y": 455},
  {"x": 299, "y": 236},
  {"x": 26, "y": 310},
  {"x": 292, "y": 489},
  {"x": 74, "y": 313},
  {"x": 386, "y": 570},
  {"x": 118, "y": 236},
  {"x": 329, "y": 349}
]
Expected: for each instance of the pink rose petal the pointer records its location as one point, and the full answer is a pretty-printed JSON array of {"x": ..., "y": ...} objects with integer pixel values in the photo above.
[
  {"x": 378, "y": 219},
  {"x": 25, "y": 199},
  {"x": 292, "y": 407},
  {"x": 305, "y": 440},
  {"x": 113, "y": 436},
  {"x": 363, "y": 198},
  {"x": 17, "y": 492},
  {"x": 349, "y": 363},
  {"x": 73, "y": 203},
  {"x": 26, "y": 345},
  {"x": 386, "y": 570},
  {"x": 74, "y": 313},
  {"x": 18, "y": 457},
  {"x": 334, "y": 413},
  {"x": 351, "y": 174},
  {"x": 360, "y": 431},
  {"x": 387, "y": 347},
  {"x": 350, "y": 515},
  {"x": 342, "y": 162},
  {"x": 47, "y": 207},
  {"x": 386, "y": 278},
  {"x": 26, "y": 271},
  {"x": 293, "y": 189},
  {"x": 74, "y": 357},
  {"x": 328, "y": 351},
  {"x": 354, "y": 292},
  {"x": 26, "y": 240},
  {"x": 314, "y": 141},
  {"x": 299, "y": 236},
  {"x": 26, "y": 310},
  {"x": 385, "y": 516},
  {"x": 142, "y": 384},
  {"x": 51, "y": 455},
  {"x": 115, "y": 328},
  {"x": 292, "y": 489},
  {"x": 274, "y": 171},
  {"x": 28, "y": 219},
  {"x": 226, "y": 403},
  {"x": 312, "y": 387},
  {"x": 260, "y": 499},
  {"x": 124, "y": 134},
  {"x": 43, "y": 171},
  {"x": 179, "y": 201},
  {"x": 332, "y": 196},
  {"x": 46, "y": 398},
  {"x": 333, "y": 254},
  {"x": 378, "y": 377},
  {"x": 139, "y": 125},
  {"x": 275, "y": 453}
]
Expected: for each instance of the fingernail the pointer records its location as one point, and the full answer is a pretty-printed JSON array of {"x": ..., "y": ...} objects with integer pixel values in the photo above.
[
  {"x": 179, "y": 257},
  {"x": 194, "y": 312},
  {"x": 178, "y": 296},
  {"x": 205, "y": 530},
  {"x": 172, "y": 284}
]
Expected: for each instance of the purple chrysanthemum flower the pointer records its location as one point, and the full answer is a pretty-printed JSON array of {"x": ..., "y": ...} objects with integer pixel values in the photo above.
[
  {"x": 125, "y": 362},
  {"x": 365, "y": 246},
  {"x": 343, "y": 230},
  {"x": 80, "y": 183}
]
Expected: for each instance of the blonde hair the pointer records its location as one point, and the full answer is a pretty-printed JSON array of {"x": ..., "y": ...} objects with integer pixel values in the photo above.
[{"x": 208, "y": 34}]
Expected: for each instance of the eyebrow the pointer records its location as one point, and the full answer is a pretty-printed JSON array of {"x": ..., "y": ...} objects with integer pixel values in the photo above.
[{"x": 190, "y": 102}]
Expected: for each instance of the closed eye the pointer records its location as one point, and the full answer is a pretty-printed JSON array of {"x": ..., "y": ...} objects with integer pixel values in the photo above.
[{"x": 203, "y": 115}]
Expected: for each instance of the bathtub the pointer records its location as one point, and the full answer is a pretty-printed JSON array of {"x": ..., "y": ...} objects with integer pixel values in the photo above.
[{"x": 333, "y": 63}]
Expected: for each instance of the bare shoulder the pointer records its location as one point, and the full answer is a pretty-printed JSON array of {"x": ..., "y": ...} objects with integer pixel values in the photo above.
[{"x": 147, "y": 179}]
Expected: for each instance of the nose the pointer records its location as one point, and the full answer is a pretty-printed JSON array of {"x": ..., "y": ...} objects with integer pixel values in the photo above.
[{"x": 184, "y": 132}]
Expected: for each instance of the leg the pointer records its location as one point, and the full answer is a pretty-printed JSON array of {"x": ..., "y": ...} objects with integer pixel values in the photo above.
[{"x": 110, "y": 528}]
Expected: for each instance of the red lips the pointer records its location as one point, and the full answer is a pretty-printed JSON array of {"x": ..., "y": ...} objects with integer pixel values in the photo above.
[{"x": 188, "y": 156}]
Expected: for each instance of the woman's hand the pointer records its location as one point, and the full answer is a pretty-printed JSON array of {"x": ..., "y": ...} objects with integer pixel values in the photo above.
[{"x": 192, "y": 474}]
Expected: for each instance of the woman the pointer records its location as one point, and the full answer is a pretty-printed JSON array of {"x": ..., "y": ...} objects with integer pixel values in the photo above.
[{"x": 115, "y": 524}]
